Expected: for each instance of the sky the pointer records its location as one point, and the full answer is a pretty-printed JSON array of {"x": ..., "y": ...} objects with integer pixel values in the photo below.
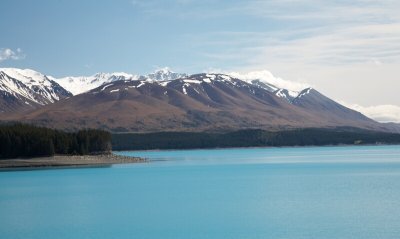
[{"x": 348, "y": 50}]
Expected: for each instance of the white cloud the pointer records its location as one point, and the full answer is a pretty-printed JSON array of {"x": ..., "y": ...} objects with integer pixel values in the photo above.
[
  {"x": 267, "y": 76},
  {"x": 320, "y": 46},
  {"x": 380, "y": 113},
  {"x": 8, "y": 54}
]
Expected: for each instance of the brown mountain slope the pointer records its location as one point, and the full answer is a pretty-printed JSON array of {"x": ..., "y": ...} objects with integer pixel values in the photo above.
[
  {"x": 196, "y": 103},
  {"x": 332, "y": 112}
]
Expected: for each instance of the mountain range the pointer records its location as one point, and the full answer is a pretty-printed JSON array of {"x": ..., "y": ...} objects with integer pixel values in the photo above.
[{"x": 168, "y": 101}]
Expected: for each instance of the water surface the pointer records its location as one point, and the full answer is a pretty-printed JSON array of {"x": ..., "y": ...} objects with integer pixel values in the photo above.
[{"x": 316, "y": 192}]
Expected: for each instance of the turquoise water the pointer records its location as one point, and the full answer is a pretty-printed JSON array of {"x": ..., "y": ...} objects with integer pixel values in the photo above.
[{"x": 326, "y": 192}]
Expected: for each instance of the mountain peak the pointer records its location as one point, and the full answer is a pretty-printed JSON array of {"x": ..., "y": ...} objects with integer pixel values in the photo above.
[
  {"x": 79, "y": 84},
  {"x": 25, "y": 75},
  {"x": 164, "y": 74},
  {"x": 305, "y": 91},
  {"x": 102, "y": 75},
  {"x": 26, "y": 88}
]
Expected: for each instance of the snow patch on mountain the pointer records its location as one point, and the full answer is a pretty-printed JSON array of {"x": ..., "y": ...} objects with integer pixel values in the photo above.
[
  {"x": 304, "y": 92},
  {"x": 81, "y": 84},
  {"x": 192, "y": 81},
  {"x": 164, "y": 83},
  {"x": 104, "y": 87},
  {"x": 31, "y": 85},
  {"x": 164, "y": 74},
  {"x": 288, "y": 94},
  {"x": 266, "y": 80}
]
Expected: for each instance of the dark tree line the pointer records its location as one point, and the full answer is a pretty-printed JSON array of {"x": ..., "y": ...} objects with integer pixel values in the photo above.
[
  {"x": 21, "y": 140},
  {"x": 251, "y": 138}
]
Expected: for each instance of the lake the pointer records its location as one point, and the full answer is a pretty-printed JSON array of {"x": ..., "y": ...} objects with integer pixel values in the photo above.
[{"x": 291, "y": 193}]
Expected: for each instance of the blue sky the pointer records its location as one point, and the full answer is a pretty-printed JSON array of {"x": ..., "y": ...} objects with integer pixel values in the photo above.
[
  {"x": 346, "y": 49},
  {"x": 83, "y": 37}
]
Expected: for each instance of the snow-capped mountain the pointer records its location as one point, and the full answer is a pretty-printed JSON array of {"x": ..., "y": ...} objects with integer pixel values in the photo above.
[
  {"x": 27, "y": 89},
  {"x": 80, "y": 84},
  {"x": 185, "y": 83},
  {"x": 36, "y": 88},
  {"x": 195, "y": 103},
  {"x": 165, "y": 100},
  {"x": 164, "y": 74}
]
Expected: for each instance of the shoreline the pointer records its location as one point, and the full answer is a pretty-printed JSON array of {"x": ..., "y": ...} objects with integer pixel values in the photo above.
[
  {"x": 67, "y": 161},
  {"x": 256, "y": 147}
]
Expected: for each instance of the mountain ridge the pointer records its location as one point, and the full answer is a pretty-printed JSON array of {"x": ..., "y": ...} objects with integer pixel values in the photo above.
[{"x": 169, "y": 101}]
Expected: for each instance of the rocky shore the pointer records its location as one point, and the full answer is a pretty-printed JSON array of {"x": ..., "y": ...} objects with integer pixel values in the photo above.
[{"x": 69, "y": 161}]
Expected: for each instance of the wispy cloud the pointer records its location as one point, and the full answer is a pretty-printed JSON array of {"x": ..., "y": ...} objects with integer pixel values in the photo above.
[
  {"x": 319, "y": 46},
  {"x": 308, "y": 31},
  {"x": 8, "y": 54},
  {"x": 381, "y": 113},
  {"x": 88, "y": 65}
]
